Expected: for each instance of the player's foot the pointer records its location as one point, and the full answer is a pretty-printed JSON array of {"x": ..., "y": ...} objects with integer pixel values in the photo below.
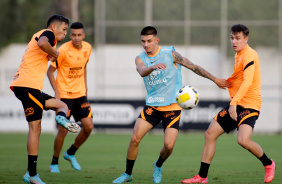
[
  {"x": 269, "y": 172},
  {"x": 72, "y": 160},
  {"x": 196, "y": 179},
  {"x": 32, "y": 179},
  {"x": 157, "y": 176},
  {"x": 67, "y": 124},
  {"x": 54, "y": 168},
  {"x": 123, "y": 178}
]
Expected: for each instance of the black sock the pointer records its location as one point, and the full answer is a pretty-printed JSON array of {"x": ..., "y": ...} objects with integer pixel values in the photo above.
[
  {"x": 55, "y": 160},
  {"x": 265, "y": 160},
  {"x": 129, "y": 166},
  {"x": 160, "y": 162},
  {"x": 32, "y": 161},
  {"x": 61, "y": 113},
  {"x": 72, "y": 150},
  {"x": 204, "y": 169}
]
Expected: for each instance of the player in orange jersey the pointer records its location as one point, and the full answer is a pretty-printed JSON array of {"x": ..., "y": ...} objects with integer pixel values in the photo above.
[
  {"x": 71, "y": 87},
  {"x": 28, "y": 83},
  {"x": 243, "y": 109}
]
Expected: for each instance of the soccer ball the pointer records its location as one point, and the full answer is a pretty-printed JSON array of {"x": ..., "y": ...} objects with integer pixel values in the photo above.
[{"x": 187, "y": 97}]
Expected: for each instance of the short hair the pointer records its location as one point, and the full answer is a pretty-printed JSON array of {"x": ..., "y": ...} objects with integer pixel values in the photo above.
[
  {"x": 59, "y": 18},
  {"x": 237, "y": 28},
  {"x": 76, "y": 25},
  {"x": 149, "y": 30}
]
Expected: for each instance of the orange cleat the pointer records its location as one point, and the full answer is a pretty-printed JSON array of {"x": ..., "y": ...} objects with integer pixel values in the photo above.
[
  {"x": 196, "y": 179},
  {"x": 269, "y": 172}
]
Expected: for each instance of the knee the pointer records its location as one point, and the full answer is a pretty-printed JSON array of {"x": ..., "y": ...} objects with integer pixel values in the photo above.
[
  {"x": 208, "y": 135},
  {"x": 135, "y": 140},
  {"x": 169, "y": 147},
  {"x": 88, "y": 128},
  {"x": 243, "y": 142}
]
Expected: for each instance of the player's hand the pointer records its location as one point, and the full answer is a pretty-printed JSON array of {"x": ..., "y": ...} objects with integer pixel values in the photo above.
[
  {"x": 159, "y": 66},
  {"x": 222, "y": 83},
  {"x": 232, "y": 112}
]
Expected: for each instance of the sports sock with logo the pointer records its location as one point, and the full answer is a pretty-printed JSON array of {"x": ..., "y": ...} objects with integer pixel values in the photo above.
[
  {"x": 265, "y": 160},
  {"x": 72, "y": 150},
  {"x": 129, "y": 166},
  {"x": 32, "y": 162},
  {"x": 204, "y": 170},
  {"x": 160, "y": 162},
  {"x": 55, "y": 160}
]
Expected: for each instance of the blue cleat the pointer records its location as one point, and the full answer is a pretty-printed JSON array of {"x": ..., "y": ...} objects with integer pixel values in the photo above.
[
  {"x": 157, "y": 176},
  {"x": 32, "y": 179},
  {"x": 72, "y": 160},
  {"x": 67, "y": 124},
  {"x": 123, "y": 178},
  {"x": 54, "y": 168}
]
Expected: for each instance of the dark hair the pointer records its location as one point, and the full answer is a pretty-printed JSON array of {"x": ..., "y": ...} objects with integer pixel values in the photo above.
[
  {"x": 149, "y": 30},
  {"x": 57, "y": 18},
  {"x": 76, "y": 25},
  {"x": 237, "y": 28}
]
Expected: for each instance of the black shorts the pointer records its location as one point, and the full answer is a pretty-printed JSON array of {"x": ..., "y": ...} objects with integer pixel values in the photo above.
[
  {"x": 169, "y": 119},
  {"x": 33, "y": 102},
  {"x": 78, "y": 107},
  {"x": 244, "y": 116}
]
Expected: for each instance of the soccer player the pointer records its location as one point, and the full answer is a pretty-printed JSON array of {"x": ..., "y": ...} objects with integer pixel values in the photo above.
[
  {"x": 28, "y": 83},
  {"x": 70, "y": 86},
  {"x": 160, "y": 68},
  {"x": 243, "y": 109}
]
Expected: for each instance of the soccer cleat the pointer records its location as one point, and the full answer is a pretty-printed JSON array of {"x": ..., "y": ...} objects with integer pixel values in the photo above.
[
  {"x": 123, "y": 178},
  {"x": 67, "y": 124},
  {"x": 72, "y": 160},
  {"x": 54, "y": 168},
  {"x": 157, "y": 176},
  {"x": 269, "y": 172},
  {"x": 32, "y": 179},
  {"x": 196, "y": 179}
]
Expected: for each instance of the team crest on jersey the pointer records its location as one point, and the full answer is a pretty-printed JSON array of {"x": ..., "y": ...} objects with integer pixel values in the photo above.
[
  {"x": 29, "y": 111},
  {"x": 149, "y": 111}
]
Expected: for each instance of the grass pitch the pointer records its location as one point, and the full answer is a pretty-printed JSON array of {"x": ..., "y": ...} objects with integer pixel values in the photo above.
[{"x": 103, "y": 156}]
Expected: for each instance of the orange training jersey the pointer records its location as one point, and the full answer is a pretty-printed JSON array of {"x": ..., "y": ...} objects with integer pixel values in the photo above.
[
  {"x": 245, "y": 81},
  {"x": 33, "y": 68},
  {"x": 70, "y": 66}
]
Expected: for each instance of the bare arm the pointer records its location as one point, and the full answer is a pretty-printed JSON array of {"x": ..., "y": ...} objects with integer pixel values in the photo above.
[
  {"x": 44, "y": 45},
  {"x": 177, "y": 58},
  {"x": 143, "y": 70},
  {"x": 50, "y": 74}
]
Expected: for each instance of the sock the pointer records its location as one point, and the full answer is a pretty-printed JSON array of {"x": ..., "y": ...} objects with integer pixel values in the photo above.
[
  {"x": 61, "y": 113},
  {"x": 160, "y": 162},
  {"x": 55, "y": 160},
  {"x": 204, "y": 170},
  {"x": 265, "y": 160},
  {"x": 129, "y": 166},
  {"x": 72, "y": 150},
  {"x": 32, "y": 161}
]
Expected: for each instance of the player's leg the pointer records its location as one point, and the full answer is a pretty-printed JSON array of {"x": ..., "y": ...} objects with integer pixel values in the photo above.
[
  {"x": 61, "y": 110},
  {"x": 244, "y": 139},
  {"x": 211, "y": 135},
  {"x": 141, "y": 128}
]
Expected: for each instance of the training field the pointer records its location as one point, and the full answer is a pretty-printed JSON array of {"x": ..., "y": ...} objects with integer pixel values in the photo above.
[{"x": 103, "y": 156}]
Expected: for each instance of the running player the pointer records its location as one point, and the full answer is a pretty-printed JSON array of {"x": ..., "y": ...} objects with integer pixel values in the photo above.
[
  {"x": 160, "y": 68},
  {"x": 28, "y": 83},
  {"x": 70, "y": 86},
  {"x": 243, "y": 109}
]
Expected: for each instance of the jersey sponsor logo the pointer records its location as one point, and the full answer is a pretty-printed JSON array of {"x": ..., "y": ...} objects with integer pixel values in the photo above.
[
  {"x": 149, "y": 111},
  {"x": 167, "y": 114},
  {"x": 85, "y": 105},
  {"x": 156, "y": 99},
  {"x": 29, "y": 111},
  {"x": 85, "y": 54},
  {"x": 75, "y": 73},
  {"x": 223, "y": 113}
]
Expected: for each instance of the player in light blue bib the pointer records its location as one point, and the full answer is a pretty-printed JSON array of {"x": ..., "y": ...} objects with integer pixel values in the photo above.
[{"x": 160, "y": 68}]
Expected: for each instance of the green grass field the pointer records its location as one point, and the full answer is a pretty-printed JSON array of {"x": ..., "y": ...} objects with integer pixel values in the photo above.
[{"x": 103, "y": 156}]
